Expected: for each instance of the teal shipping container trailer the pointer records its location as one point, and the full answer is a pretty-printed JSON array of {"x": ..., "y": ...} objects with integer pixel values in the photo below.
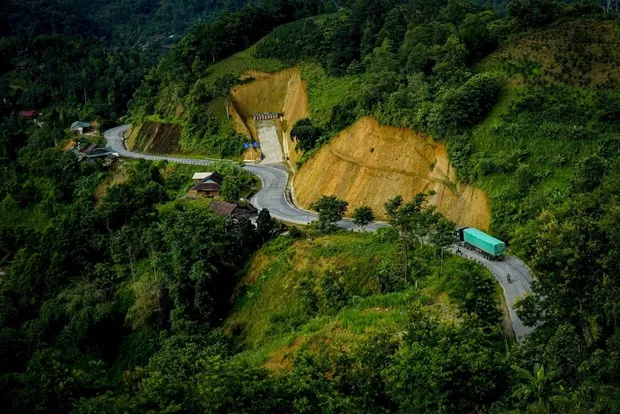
[{"x": 489, "y": 246}]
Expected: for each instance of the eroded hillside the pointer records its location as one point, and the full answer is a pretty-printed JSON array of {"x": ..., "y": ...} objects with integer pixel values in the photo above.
[
  {"x": 367, "y": 164},
  {"x": 283, "y": 92},
  {"x": 155, "y": 137}
]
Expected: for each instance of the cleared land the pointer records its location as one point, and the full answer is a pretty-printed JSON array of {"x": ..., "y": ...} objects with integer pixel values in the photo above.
[
  {"x": 577, "y": 53},
  {"x": 367, "y": 164},
  {"x": 155, "y": 137},
  {"x": 283, "y": 92}
]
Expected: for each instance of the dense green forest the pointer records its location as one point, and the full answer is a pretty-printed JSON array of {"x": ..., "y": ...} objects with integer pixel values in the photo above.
[
  {"x": 150, "y": 22},
  {"x": 87, "y": 59},
  {"x": 119, "y": 295}
]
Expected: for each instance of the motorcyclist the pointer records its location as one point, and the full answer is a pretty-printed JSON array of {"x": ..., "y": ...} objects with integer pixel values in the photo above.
[{"x": 508, "y": 277}]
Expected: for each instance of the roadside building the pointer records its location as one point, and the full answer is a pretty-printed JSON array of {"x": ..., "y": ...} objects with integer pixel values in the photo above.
[
  {"x": 205, "y": 190},
  {"x": 79, "y": 127},
  {"x": 206, "y": 184},
  {"x": 207, "y": 177},
  {"x": 89, "y": 151},
  {"x": 233, "y": 211}
]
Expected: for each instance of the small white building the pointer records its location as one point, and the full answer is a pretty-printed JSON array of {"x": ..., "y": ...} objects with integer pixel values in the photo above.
[{"x": 80, "y": 127}]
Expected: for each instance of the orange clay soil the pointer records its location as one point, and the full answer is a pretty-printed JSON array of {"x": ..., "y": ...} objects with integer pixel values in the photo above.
[
  {"x": 283, "y": 92},
  {"x": 366, "y": 164}
]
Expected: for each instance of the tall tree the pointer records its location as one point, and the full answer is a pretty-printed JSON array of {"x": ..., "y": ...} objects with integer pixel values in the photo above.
[
  {"x": 330, "y": 210},
  {"x": 363, "y": 216},
  {"x": 408, "y": 219}
]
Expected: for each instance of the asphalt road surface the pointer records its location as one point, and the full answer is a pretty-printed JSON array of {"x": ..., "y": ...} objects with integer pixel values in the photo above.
[
  {"x": 273, "y": 196},
  {"x": 519, "y": 285}
]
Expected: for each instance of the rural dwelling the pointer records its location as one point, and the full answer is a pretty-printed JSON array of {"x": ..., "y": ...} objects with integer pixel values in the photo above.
[
  {"x": 29, "y": 114},
  {"x": 207, "y": 177},
  {"x": 80, "y": 127},
  {"x": 233, "y": 211},
  {"x": 206, "y": 184},
  {"x": 205, "y": 190},
  {"x": 21, "y": 65},
  {"x": 89, "y": 151}
]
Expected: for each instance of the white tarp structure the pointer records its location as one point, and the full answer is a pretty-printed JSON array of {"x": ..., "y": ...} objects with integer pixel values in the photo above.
[{"x": 201, "y": 175}]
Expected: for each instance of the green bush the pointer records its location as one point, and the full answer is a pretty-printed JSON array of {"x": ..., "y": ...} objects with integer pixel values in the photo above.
[
  {"x": 465, "y": 106},
  {"x": 307, "y": 135}
]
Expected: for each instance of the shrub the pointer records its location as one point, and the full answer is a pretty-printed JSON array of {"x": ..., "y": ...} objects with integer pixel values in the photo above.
[
  {"x": 465, "y": 106},
  {"x": 307, "y": 134}
]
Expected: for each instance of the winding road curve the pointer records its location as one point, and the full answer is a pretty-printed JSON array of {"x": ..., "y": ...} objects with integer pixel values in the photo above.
[{"x": 273, "y": 196}]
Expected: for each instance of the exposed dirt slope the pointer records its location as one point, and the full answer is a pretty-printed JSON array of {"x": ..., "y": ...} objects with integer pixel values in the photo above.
[
  {"x": 155, "y": 138},
  {"x": 366, "y": 164},
  {"x": 282, "y": 91}
]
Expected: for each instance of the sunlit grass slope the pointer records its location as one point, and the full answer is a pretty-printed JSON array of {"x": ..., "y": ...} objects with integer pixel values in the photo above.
[{"x": 335, "y": 290}]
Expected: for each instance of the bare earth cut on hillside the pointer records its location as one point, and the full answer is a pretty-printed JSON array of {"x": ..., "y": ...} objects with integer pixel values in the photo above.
[
  {"x": 367, "y": 164},
  {"x": 283, "y": 92},
  {"x": 155, "y": 137}
]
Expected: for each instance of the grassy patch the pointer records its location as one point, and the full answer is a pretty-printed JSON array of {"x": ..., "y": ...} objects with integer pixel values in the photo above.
[
  {"x": 172, "y": 205},
  {"x": 241, "y": 62},
  {"x": 327, "y": 292},
  {"x": 326, "y": 92}
]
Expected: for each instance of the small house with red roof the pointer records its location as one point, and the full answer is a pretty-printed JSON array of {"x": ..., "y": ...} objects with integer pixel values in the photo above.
[{"x": 30, "y": 115}]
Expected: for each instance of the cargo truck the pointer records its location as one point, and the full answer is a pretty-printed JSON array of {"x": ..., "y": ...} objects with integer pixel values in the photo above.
[{"x": 481, "y": 242}]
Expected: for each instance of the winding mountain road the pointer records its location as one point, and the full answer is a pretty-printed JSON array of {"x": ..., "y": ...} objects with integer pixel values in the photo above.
[{"x": 274, "y": 197}]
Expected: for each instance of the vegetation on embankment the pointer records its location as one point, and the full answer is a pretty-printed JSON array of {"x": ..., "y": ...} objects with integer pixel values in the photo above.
[
  {"x": 559, "y": 107},
  {"x": 328, "y": 295}
]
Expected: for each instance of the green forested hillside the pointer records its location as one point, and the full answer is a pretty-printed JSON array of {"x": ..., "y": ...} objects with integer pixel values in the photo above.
[
  {"x": 149, "y": 21},
  {"x": 118, "y": 294},
  {"x": 528, "y": 105},
  {"x": 546, "y": 89},
  {"x": 88, "y": 58},
  {"x": 181, "y": 89}
]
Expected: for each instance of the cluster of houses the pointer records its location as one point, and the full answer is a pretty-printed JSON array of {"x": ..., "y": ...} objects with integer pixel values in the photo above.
[
  {"x": 209, "y": 184},
  {"x": 265, "y": 116},
  {"x": 77, "y": 128}
]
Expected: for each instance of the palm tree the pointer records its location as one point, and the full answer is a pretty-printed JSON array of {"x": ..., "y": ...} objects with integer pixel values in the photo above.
[{"x": 538, "y": 384}]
